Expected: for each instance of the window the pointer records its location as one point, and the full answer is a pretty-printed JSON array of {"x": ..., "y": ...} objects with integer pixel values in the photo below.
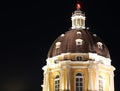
[
  {"x": 56, "y": 61},
  {"x": 78, "y": 32},
  {"x": 57, "y": 83},
  {"x": 78, "y": 22},
  {"x": 81, "y": 22},
  {"x": 79, "y": 41},
  {"x": 79, "y": 58},
  {"x": 58, "y": 45},
  {"x": 79, "y": 82},
  {"x": 100, "y": 83},
  {"x": 100, "y": 45}
]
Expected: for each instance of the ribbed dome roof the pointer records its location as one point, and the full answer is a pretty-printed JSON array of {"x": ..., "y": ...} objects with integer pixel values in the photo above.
[{"x": 78, "y": 41}]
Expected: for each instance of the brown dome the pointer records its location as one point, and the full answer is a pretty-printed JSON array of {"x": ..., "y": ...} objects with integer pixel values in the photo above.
[{"x": 78, "y": 41}]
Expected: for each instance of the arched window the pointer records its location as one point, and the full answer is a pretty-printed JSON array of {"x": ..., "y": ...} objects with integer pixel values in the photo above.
[
  {"x": 79, "y": 82},
  {"x": 57, "y": 83},
  {"x": 100, "y": 83},
  {"x": 81, "y": 22},
  {"x": 78, "y": 22}
]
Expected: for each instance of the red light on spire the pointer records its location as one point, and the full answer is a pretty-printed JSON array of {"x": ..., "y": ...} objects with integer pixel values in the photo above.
[{"x": 78, "y": 6}]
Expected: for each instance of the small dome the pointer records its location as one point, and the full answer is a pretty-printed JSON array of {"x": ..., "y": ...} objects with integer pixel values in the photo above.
[{"x": 78, "y": 41}]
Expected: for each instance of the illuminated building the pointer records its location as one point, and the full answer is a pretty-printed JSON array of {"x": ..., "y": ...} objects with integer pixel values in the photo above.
[{"x": 78, "y": 60}]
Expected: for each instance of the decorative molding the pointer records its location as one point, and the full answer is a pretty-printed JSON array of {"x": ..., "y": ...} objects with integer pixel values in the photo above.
[{"x": 92, "y": 57}]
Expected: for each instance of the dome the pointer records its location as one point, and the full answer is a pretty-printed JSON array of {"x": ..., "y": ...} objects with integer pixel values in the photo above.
[{"x": 78, "y": 41}]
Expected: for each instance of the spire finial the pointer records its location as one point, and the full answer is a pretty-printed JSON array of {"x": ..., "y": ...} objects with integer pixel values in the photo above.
[{"x": 78, "y": 6}]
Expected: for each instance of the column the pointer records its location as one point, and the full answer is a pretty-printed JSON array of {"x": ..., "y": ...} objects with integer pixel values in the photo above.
[
  {"x": 62, "y": 79},
  {"x": 75, "y": 22},
  {"x": 68, "y": 78},
  {"x": 44, "y": 82},
  {"x": 72, "y": 23},
  {"x": 111, "y": 81},
  {"x": 96, "y": 80},
  {"x": 84, "y": 22},
  {"x": 46, "y": 79},
  {"x": 90, "y": 86}
]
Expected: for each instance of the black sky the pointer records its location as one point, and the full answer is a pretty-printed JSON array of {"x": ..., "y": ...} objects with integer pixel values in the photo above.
[{"x": 27, "y": 31}]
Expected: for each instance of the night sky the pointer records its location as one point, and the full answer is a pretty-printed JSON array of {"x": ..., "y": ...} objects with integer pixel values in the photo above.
[{"x": 27, "y": 31}]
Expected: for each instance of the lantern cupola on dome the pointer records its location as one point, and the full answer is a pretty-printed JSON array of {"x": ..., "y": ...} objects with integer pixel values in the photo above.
[{"x": 78, "y": 18}]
